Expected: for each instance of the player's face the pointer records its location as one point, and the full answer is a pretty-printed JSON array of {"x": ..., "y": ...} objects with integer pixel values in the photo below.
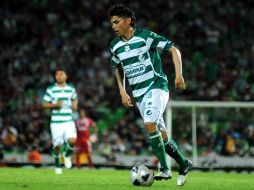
[
  {"x": 61, "y": 77},
  {"x": 120, "y": 25},
  {"x": 82, "y": 113}
]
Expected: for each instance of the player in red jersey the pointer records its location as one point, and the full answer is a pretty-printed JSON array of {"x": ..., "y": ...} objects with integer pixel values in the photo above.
[{"x": 83, "y": 145}]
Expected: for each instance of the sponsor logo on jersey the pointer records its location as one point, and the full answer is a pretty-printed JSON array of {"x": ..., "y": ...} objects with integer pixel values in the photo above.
[
  {"x": 148, "y": 112},
  {"x": 135, "y": 71}
]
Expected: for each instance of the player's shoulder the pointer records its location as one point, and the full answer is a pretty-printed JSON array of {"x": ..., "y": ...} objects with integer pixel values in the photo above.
[
  {"x": 51, "y": 87},
  {"x": 114, "y": 42},
  {"x": 70, "y": 85},
  {"x": 142, "y": 32}
]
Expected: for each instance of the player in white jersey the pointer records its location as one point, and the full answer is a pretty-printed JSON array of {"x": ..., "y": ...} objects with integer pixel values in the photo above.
[
  {"x": 135, "y": 57},
  {"x": 61, "y": 98}
]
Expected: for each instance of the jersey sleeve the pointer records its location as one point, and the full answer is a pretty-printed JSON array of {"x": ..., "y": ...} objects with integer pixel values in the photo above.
[
  {"x": 47, "y": 96},
  {"x": 114, "y": 59},
  {"x": 74, "y": 95},
  {"x": 160, "y": 42}
]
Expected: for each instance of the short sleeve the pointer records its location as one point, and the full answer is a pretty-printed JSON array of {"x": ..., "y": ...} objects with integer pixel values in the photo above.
[
  {"x": 114, "y": 59},
  {"x": 74, "y": 94},
  {"x": 47, "y": 96},
  {"x": 160, "y": 42}
]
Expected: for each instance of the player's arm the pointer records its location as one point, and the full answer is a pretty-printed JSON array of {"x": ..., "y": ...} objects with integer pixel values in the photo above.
[
  {"x": 179, "y": 80},
  {"x": 74, "y": 104},
  {"x": 48, "y": 105},
  {"x": 95, "y": 130},
  {"x": 47, "y": 101},
  {"x": 126, "y": 100}
]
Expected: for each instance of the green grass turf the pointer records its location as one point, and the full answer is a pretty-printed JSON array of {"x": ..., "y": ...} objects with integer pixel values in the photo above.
[{"x": 44, "y": 179}]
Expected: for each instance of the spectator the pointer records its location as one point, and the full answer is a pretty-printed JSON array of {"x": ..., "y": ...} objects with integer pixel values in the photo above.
[{"x": 34, "y": 156}]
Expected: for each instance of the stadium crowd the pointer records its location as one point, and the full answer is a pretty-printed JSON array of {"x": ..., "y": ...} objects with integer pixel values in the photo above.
[{"x": 214, "y": 37}]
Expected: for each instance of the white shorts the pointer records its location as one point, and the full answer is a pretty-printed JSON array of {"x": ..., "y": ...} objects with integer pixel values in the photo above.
[
  {"x": 153, "y": 106},
  {"x": 61, "y": 132}
]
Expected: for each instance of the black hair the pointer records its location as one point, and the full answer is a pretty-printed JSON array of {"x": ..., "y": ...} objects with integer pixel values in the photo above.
[
  {"x": 61, "y": 69},
  {"x": 122, "y": 11}
]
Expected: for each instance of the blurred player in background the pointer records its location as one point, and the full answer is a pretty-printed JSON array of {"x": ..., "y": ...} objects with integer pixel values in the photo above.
[
  {"x": 61, "y": 98},
  {"x": 83, "y": 146},
  {"x": 135, "y": 57}
]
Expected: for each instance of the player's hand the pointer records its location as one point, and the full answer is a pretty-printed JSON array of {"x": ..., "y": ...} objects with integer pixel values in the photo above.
[
  {"x": 74, "y": 106},
  {"x": 179, "y": 82},
  {"x": 126, "y": 100},
  {"x": 59, "y": 104}
]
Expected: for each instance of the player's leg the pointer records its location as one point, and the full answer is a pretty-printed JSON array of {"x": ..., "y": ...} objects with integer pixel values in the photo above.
[
  {"x": 70, "y": 137},
  {"x": 56, "y": 154},
  {"x": 78, "y": 154},
  {"x": 184, "y": 164},
  {"x": 150, "y": 113},
  {"x": 171, "y": 147},
  {"x": 69, "y": 147},
  {"x": 57, "y": 140},
  {"x": 89, "y": 154},
  {"x": 157, "y": 145},
  {"x": 173, "y": 151}
]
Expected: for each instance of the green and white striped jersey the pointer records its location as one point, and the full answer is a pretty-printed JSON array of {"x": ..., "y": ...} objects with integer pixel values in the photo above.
[
  {"x": 140, "y": 60},
  {"x": 66, "y": 94}
]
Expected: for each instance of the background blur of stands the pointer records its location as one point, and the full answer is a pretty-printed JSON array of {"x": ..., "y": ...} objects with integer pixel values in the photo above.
[{"x": 216, "y": 42}]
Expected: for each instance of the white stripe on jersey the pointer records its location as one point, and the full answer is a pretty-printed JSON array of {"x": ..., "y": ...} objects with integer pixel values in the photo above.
[
  {"x": 47, "y": 98},
  {"x": 118, "y": 45},
  {"x": 132, "y": 53},
  {"x": 61, "y": 124},
  {"x": 149, "y": 41},
  {"x": 61, "y": 95},
  {"x": 146, "y": 63},
  {"x": 61, "y": 118},
  {"x": 131, "y": 41},
  {"x": 139, "y": 92},
  {"x": 62, "y": 110},
  {"x": 136, "y": 39},
  {"x": 115, "y": 59},
  {"x": 162, "y": 44},
  {"x": 141, "y": 78}
]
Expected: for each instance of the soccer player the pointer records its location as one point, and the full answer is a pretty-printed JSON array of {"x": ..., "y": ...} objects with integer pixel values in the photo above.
[
  {"x": 135, "y": 57},
  {"x": 61, "y": 98},
  {"x": 83, "y": 145}
]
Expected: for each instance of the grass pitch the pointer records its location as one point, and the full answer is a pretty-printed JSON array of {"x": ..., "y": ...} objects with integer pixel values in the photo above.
[{"x": 45, "y": 179}]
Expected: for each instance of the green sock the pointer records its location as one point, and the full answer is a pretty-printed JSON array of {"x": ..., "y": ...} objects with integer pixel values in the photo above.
[
  {"x": 68, "y": 149},
  {"x": 159, "y": 150},
  {"x": 173, "y": 151},
  {"x": 56, "y": 156}
]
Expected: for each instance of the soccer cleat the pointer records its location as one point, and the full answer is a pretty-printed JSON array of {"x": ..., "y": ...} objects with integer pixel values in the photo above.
[
  {"x": 58, "y": 171},
  {"x": 181, "y": 180},
  {"x": 67, "y": 162},
  {"x": 163, "y": 174}
]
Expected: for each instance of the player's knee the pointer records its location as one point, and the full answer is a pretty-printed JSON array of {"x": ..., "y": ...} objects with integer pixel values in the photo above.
[
  {"x": 57, "y": 149},
  {"x": 150, "y": 127},
  {"x": 164, "y": 136},
  {"x": 72, "y": 141}
]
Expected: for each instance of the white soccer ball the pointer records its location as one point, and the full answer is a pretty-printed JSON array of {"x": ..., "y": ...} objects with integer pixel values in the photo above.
[{"x": 142, "y": 176}]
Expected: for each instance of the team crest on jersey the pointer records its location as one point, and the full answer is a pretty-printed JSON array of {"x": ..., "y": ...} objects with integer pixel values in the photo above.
[{"x": 127, "y": 48}]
